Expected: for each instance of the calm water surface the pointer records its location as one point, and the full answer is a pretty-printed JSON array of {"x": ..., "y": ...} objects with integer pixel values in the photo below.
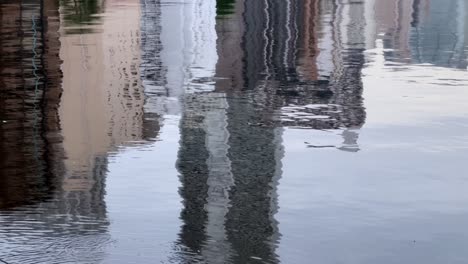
[{"x": 233, "y": 131}]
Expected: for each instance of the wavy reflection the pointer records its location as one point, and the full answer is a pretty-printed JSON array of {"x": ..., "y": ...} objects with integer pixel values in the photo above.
[
  {"x": 274, "y": 69},
  {"x": 424, "y": 31},
  {"x": 30, "y": 77},
  {"x": 71, "y": 100},
  {"x": 80, "y": 80},
  {"x": 42, "y": 208},
  {"x": 315, "y": 82}
]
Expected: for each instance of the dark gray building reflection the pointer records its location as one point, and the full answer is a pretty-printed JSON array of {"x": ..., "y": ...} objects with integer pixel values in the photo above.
[
  {"x": 272, "y": 71},
  {"x": 229, "y": 169}
]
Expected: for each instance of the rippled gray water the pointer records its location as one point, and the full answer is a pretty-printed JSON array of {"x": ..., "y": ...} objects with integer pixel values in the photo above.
[{"x": 233, "y": 131}]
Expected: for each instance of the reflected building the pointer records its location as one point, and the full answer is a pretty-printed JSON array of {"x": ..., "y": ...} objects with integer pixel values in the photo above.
[
  {"x": 71, "y": 96},
  {"x": 419, "y": 31},
  {"x": 437, "y": 38},
  {"x": 329, "y": 65},
  {"x": 152, "y": 69},
  {"x": 103, "y": 101},
  {"x": 255, "y": 148},
  {"x": 308, "y": 62},
  {"x": 287, "y": 63},
  {"x": 206, "y": 176},
  {"x": 229, "y": 166},
  {"x": 217, "y": 186},
  {"x": 34, "y": 202},
  {"x": 393, "y": 19},
  {"x": 30, "y": 92},
  {"x": 230, "y": 29},
  {"x": 203, "y": 155},
  {"x": 103, "y": 104}
]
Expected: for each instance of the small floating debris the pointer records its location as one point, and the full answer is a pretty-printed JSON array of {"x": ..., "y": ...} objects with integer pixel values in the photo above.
[{"x": 321, "y": 146}]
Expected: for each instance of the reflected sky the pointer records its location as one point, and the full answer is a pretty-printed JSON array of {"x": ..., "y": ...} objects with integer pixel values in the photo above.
[{"x": 296, "y": 131}]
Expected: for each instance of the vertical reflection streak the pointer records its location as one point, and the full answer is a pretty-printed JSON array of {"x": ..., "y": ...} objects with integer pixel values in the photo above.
[
  {"x": 36, "y": 92},
  {"x": 220, "y": 180},
  {"x": 265, "y": 37},
  {"x": 288, "y": 31}
]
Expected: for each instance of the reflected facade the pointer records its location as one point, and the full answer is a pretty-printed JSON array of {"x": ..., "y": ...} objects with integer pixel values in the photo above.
[
  {"x": 70, "y": 98},
  {"x": 273, "y": 69},
  {"x": 421, "y": 32},
  {"x": 83, "y": 81},
  {"x": 30, "y": 81}
]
